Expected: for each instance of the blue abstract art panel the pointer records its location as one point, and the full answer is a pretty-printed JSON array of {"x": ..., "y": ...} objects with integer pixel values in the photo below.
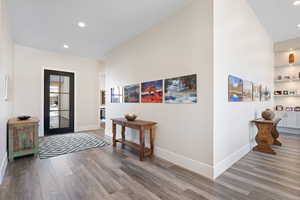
[{"x": 235, "y": 89}]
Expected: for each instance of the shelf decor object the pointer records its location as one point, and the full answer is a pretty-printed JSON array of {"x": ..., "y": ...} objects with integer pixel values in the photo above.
[
  {"x": 22, "y": 137},
  {"x": 291, "y": 58}
]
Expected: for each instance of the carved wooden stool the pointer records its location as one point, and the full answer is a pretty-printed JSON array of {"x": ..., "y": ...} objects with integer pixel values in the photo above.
[{"x": 267, "y": 135}]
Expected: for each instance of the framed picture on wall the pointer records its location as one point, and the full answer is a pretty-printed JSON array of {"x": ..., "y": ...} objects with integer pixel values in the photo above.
[
  {"x": 235, "y": 89},
  {"x": 265, "y": 93},
  {"x": 132, "y": 93},
  {"x": 116, "y": 95},
  {"x": 256, "y": 92},
  {"x": 102, "y": 95},
  {"x": 152, "y": 92},
  {"x": 247, "y": 90},
  {"x": 181, "y": 89}
]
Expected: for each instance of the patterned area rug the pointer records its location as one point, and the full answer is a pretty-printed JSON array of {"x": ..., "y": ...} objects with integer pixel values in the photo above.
[{"x": 57, "y": 145}]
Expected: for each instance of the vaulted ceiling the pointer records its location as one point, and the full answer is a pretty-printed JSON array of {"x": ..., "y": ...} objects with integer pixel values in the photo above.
[
  {"x": 280, "y": 17},
  {"x": 49, "y": 24}
]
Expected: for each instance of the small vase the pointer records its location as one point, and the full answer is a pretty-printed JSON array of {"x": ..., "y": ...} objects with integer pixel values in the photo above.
[{"x": 291, "y": 58}]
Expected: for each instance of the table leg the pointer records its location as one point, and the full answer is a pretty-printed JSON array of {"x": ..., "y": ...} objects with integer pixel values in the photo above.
[
  {"x": 114, "y": 132},
  {"x": 275, "y": 135},
  {"x": 152, "y": 138},
  {"x": 264, "y": 139},
  {"x": 123, "y": 136},
  {"x": 142, "y": 144}
]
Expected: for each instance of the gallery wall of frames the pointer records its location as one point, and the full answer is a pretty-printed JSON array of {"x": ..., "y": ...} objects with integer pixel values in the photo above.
[
  {"x": 178, "y": 90},
  {"x": 240, "y": 90}
]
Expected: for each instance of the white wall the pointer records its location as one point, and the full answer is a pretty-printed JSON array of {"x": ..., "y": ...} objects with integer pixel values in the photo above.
[
  {"x": 28, "y": 84},
  {"x": 180, "y": 45},
  {"x": 244, "y": 49},
  {"x": 6, "y": 62}
]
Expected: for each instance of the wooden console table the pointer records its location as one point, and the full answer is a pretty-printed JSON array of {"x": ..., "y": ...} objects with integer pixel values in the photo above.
[
  {"x": 138, "y": 125},
  {"x": 267, "y": 135}
]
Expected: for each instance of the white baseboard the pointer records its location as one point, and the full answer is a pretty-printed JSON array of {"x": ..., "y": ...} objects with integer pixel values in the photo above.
[
  {"x": 182, "y": 161},
  {"x": 187, "y": 163},
  {"x": 223, "y": 165},
  {"x": 289, "y": 130},
  {"x": 87, "y": 128},
  {"x": 3, "y": 166}
]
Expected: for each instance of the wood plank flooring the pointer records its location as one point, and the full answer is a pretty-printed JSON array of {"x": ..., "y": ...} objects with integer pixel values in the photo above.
[{"x": 108, "y": 174}]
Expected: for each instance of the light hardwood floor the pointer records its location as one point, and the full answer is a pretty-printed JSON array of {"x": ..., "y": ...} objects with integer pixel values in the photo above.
[{"x": 110, "y": 174}]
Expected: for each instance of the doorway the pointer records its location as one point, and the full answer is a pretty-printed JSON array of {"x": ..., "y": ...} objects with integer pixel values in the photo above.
[{"x": 58, "y": 102}]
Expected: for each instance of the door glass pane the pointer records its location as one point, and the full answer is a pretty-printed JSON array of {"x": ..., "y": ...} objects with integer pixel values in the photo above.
[
  {"x": 54, "y": 119},
  {"x": 65, "y": 84},
  {"x": 64, "y": 119},
  {"x": 54, "y": 101},
  {"x": 54, "y": 83},
  {"x": 64, "y": 102}
]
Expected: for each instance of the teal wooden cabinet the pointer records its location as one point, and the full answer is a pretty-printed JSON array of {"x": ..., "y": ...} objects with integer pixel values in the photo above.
[{"x": 22, "y": 137}]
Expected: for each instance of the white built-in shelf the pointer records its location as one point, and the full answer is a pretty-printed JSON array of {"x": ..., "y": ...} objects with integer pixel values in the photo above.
[
  {"x": 287, "y": 80},
  {"x": 289, "y": 65},
  {"x": 295, "y": 95}
]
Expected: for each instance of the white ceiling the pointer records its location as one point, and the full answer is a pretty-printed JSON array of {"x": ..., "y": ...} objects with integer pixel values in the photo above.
[
  {"x": 48, "y": 24},
  {"x": 280, "y": 17}
]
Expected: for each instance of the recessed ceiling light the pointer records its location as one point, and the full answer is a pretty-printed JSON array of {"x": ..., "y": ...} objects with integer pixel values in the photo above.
[
  {"x": 298, "y": 25},
  {"x": 296, "y": 3},
  {"x": 81, "y": 24},
  {"x": 66, "y": 46}
]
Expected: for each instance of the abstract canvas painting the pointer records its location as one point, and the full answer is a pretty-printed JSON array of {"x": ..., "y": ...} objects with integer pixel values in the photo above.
[
  {"x": 116, "y": 95},
  {"x": 265, "y": 94},
  {"x": 152, "y": 92},
  {"x": 256, "y": 92},
  {"x": 181, "y": 89},
  {"x": 247, "y": 90},
  {"x": 132, "y": 93},
  {"x": 235, "y": 89}
]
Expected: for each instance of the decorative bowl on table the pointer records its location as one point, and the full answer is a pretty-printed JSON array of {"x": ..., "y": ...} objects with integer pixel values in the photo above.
[
  {"x": 24, "y": 117},
  {"x": 130, "y": 117}
]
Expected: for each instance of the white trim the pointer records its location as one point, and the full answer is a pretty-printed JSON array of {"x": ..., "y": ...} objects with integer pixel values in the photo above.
[
  {"x": 87, "y": 128},
  {"x": 182, "y": 161},
  {"x": 3, "y": 167},
  {"x": 294, "y": 131},
  {"x": 41, "y": 131},
  {"x": 226, "y": 163},
  {"x": 187, "y": 163}
]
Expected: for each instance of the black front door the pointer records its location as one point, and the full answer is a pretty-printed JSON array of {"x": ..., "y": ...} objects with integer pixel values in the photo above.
[{"x": 58, "y": 102}]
